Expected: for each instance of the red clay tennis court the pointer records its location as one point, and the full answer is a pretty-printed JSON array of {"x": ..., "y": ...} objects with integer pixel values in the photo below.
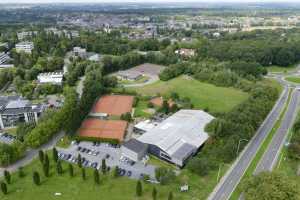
[
  {"x": 104, "y": 129},
  {"x": 158, "y": 101},
  {"x": 114, "y": 104}
]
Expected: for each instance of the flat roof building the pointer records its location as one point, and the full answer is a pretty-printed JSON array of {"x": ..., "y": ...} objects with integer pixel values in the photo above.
[
  {"x": 51, "y": 77},
  {"x": 26, "y": 47},
  {"x": 15, "y": 109},
  {"x": 178, "y": 137}
]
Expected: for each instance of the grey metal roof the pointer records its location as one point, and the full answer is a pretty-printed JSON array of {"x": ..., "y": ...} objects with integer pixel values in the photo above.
[
  {"x": 183, "y": 127},
  {"x": 135, "y": 145},
  {"x": 183, "y": 152}
]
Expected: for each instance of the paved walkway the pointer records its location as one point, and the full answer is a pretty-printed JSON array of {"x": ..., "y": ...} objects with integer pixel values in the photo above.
[
  {"x": 31, "y": 154},
  {"x": 152, "y": 79}
]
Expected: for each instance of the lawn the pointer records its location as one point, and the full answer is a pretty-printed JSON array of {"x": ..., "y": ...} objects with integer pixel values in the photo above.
[
  {"x": 294, "y": 79},
  {"x": 202, "y": 95},
  {"x": 109, "y": 189},
  {"x": 141, "y": 109},
  {"x": 279, "y": 69}
]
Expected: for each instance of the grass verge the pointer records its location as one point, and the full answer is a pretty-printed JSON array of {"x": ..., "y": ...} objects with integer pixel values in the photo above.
[{"x": 250, "y": 170}]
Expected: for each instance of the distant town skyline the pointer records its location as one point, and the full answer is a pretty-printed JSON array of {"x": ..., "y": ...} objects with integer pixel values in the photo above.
[{"x": 146, "y": 1}]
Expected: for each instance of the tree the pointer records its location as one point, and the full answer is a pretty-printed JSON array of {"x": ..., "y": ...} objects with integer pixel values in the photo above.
[
  {"x": 96, "y": 177},
  {"x": 103, "y": 166},
  {"x": 83, "y": 175},
  {"x": 170, "y": 196},
  {"x": 46, "y": 166},
  {"x": 139, "y": 189},
  {"x": 154, "y": 193},
  {"x": 115, "y": 172},
  {"x": 7, "y": 176},
  {"x": 55, "y": 154},
  {"x": 79, "y": 161},
  {"x": 36, "y": 178},
  {"x": 71, "y": 171},
  {"x": 59, "y": 169},
  {"x": 164, "y": 175},
  {"x": 270, "y": 185},
  {"x": 3, "y": 188},
  {"x": 21, "y": 172}
]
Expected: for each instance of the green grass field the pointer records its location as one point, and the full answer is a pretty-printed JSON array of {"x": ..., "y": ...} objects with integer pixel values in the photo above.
[
  {"x": 279, "y": 69},
  {"x": 202, "y": 95},
  {"x": 293, "y": 79},
  {"x": 109, "y": 189}
]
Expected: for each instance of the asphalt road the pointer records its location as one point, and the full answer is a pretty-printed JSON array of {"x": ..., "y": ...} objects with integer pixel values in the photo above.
[
  {"x": 232, "y": 178},
  {"x": 270, "y": 157}
]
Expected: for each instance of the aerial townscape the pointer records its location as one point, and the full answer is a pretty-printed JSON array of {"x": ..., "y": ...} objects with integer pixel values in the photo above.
[{"x": 149, "y": 100}]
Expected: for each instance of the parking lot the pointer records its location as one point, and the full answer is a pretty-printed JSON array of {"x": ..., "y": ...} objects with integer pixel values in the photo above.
[
  {"x": 93, "y": 153},
  {"x": 7, "y": 138}
]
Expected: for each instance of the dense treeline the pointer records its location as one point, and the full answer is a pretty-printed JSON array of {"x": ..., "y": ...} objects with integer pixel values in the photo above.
[
  {"x": 6, "y": 76},
  {"x": 54, "y": 121},
  {"x": 112, "y": 43},
  {"x": 229, "y": 129},
  {"x": 11, "y": 153},
  {"x": 256, "y": 46},
  {"x": 115, "y": 63}
]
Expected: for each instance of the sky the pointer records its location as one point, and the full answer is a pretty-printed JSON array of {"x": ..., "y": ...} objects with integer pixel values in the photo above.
[{"x": 139, "y": 1}]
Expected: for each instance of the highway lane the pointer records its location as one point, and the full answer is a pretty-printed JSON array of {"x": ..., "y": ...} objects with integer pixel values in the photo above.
[
  {"x": 231, "y": 179},
  {"x": 270, "y": 157}
]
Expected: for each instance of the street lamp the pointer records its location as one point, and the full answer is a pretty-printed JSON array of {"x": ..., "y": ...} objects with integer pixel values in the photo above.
[{"x": 238, "y": 148}]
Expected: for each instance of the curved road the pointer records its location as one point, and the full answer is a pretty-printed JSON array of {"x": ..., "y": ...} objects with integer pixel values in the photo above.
[
  {"x": 233, "y": 176},
  {"x": 31, "y": 154}
]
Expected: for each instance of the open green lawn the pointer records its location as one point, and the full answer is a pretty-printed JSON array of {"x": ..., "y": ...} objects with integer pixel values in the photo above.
[
  {"x": 202, "y": 95},
  {"x": 294, "y": 79},
  {"x": 279, "y": 69},
  {"x": 110, "y": 188},
  {"x": 141, "y": 109}
]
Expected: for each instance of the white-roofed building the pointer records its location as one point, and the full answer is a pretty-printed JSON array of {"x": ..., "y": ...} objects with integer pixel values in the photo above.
[
  {"x": 51, "y": 77},
  {"x": 178, "y": 137},
  {"x": 26, "y": 47}
]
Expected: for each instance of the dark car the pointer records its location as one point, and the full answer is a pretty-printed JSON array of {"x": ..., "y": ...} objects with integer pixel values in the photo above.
[{"x": 129, "y": 173}]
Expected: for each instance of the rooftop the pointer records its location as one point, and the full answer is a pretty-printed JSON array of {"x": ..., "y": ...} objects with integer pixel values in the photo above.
[{"x": 182, "y": 130}]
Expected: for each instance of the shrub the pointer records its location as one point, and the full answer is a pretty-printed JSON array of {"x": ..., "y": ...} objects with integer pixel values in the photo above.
[
  {"x": 7, "y": 176},
  {"x": 59, "y": 169},
  {"x": 83, "y": 174},
  {"x": 36, "y": 178},
  {"x": 55, "y": 154},
  {"x": 139, "y": 189},
  {"x": 164, "y": 175},
  {"x": 21, "y": 172},
  {"x": 3, "y": 188},
  {"x": 96, "y": 177},
  {"x": 71, "y": 170}
]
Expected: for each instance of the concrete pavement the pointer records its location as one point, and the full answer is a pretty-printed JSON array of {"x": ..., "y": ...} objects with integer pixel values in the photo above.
[{"x": 233, "y": 176}]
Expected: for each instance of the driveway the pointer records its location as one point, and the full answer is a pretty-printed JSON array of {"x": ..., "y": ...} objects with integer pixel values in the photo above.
[{"x": 152, "y": 79}]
